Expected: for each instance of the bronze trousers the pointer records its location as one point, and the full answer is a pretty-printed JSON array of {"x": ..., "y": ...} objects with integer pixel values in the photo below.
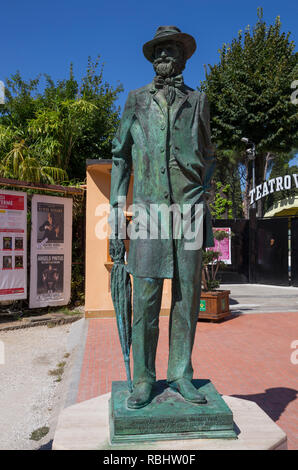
[{"x": 147, "y": 295}]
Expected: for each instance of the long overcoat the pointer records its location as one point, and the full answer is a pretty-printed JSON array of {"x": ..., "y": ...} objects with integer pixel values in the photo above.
[{"x": 144, "y": 140}]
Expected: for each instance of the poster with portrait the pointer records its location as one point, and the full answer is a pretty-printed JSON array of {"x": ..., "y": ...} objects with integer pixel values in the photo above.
[
  {"x": 50, "y": 225},
  {"x": 51, "y": 251},
  {"x": 50, "y": 274},
  {"x": 223, "y": 246},
  {"x": 13, "y": 245}
]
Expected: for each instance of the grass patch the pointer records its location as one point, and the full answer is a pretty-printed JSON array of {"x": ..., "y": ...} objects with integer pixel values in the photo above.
[
  {"x": 61, "y": 364},
  {"x": 39, "y": 433},
  {"x": 67, "y": 311},
  {"x": 58, "y": 372}
]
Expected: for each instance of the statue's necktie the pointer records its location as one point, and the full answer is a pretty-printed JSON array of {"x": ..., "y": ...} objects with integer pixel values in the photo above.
[{"x": 168, "y": 85}]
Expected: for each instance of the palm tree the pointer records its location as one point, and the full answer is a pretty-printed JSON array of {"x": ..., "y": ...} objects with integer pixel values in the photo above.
[{"x": 19, "y": 163}]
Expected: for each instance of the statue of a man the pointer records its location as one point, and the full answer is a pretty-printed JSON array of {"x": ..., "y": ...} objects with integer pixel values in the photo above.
[{"x": 164, "y": 137}]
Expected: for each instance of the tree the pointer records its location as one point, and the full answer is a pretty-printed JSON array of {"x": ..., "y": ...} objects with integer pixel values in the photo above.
[
  {"x": 249, "y": 93},
  {"x": 52, "y": 133},
  {"x": 221, "y": 205},
  {"x": 20, "y": 165},
  {"x": 226, "y": 187}
]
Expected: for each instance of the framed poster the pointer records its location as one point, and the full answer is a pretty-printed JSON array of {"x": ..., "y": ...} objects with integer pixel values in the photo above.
[
  {"x": 51, "y": 251},
  {"x": 50, "y": 225},
  {"x": 13, "y": 245},
  {"x": 224, "y": 246}
]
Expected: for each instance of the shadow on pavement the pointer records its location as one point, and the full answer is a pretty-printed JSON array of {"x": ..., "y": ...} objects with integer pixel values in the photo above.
[
  {"x": 274, "y": 401},
  {"x": 47, "y": 446}
]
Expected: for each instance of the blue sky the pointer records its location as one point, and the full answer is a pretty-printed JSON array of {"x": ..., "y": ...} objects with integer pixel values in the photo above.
[{"x": 45, "y": 36}]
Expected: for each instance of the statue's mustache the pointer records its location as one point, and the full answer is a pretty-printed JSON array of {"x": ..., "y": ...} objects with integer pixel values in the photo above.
[{"x": 162, "y": 60}]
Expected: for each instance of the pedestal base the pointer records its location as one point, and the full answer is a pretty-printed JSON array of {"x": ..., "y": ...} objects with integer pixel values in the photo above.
[
  {"x": 85, "y": 426},
  {"x": 169, "y": 416}
]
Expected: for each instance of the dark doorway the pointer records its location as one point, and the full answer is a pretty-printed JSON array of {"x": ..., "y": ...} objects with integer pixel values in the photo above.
[{"x": 272, "y": 251}]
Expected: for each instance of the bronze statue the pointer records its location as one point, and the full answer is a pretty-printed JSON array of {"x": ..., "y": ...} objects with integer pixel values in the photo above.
[{"x": 164, "y": 137}]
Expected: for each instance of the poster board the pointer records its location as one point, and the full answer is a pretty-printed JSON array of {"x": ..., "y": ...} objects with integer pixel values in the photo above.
[
  {"x": 13, "y": 245},
  {"x": 51, "y": 251}
]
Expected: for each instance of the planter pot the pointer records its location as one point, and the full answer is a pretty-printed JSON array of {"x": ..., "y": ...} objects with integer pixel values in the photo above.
[{"x": 214, "y": 305}]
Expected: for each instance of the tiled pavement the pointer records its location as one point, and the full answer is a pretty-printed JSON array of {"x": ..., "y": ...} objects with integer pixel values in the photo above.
[{"x": 248, "y": 356}]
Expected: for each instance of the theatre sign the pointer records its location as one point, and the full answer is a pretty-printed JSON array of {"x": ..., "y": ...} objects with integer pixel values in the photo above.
[{"x": 280, "y": 183}]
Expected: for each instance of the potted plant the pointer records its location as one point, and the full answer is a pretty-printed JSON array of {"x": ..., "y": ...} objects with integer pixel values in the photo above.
[{"x": 214, "y": 303}]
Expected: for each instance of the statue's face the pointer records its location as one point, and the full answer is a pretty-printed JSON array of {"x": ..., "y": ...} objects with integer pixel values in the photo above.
[{"x": 168, "y": 59}]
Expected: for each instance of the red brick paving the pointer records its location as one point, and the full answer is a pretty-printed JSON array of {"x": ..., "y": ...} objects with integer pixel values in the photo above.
[{"x": 247, "y": 356}]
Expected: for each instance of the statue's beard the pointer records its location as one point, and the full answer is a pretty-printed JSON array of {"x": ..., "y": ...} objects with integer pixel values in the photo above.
[
  {"x": 168, "y": 67},
  {"x": 165, "y": 67}
]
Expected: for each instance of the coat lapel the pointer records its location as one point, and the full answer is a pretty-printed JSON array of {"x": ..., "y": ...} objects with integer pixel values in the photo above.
[
  {"x": 157, "y": 96},
  {"x": 161, "y": 102},
  {"x": 181, "y": 98}
]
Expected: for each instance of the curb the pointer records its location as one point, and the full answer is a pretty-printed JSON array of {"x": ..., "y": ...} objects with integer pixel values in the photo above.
[
  {"x": 79, "y": 332},
  {"x": 46, "y": 322}
]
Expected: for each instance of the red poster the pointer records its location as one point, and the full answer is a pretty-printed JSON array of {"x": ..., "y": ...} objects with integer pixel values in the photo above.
[
  {"x": 11, "y": 202},
  {"x": 13, "y": 245}
]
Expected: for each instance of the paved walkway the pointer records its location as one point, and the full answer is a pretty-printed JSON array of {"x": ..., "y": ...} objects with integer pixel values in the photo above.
[
  {"x": 247, "y": 356},
  {"x": 252, "y": 298}
]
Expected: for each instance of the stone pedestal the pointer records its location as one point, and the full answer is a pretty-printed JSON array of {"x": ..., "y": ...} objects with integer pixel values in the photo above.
[
  {"x": 85, "y": 426},
  {"x": 169, "y": 416}
]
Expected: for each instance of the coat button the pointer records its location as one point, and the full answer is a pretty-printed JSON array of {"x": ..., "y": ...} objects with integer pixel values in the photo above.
[
  {"x": 166, "y": 195},
  {"x": 162, "y": 169},
  {"x": 162, "y": 149},
  {"x": 162, "y": 127}
]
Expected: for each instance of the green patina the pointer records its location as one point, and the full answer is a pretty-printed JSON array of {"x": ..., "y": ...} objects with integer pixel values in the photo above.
[
  {"x": 164, "y": 136},
  {"x": 169, "y": 416}
]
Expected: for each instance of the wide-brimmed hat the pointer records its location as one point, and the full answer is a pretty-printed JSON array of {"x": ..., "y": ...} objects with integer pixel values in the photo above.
[{"x": 170, "y": 33}]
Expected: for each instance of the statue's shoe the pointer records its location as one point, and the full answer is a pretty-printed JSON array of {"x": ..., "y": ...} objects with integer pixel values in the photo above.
[
  {"x": 140, "y": 396},
  {"x": 188, "y": 391}
]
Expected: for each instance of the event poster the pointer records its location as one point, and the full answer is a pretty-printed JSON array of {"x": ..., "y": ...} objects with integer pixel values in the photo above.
[
  {"x": 50, "y": 225},
  {"x": 223, "y": 246},
  {"x": 51, "y": 251},
  {"x": 50, "y": 273},
  {"x": 13, "y": 245}
]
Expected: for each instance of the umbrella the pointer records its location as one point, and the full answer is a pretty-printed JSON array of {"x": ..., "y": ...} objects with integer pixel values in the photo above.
[{"x": 121, "y": 296}]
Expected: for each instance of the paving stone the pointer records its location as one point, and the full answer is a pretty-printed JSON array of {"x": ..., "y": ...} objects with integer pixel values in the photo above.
[{"x": 247, "y": 357}]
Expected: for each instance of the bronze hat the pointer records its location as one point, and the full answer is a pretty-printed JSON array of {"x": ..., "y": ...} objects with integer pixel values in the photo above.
[{"x": 169, "y": 33}]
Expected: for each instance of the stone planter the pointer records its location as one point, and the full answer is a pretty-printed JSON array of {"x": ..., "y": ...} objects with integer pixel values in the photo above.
[{"x": 214, "y": 305}]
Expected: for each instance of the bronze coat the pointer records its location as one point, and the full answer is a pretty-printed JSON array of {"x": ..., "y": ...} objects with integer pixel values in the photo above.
[{"x": 144, "y": 144}]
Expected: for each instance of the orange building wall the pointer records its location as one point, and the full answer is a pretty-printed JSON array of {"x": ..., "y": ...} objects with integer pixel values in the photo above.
[{"x": 98, "y": 303}]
